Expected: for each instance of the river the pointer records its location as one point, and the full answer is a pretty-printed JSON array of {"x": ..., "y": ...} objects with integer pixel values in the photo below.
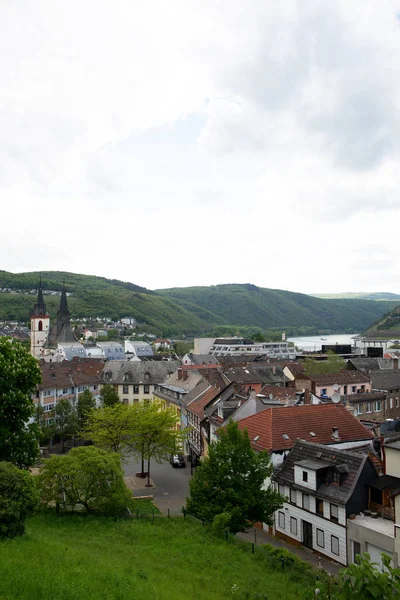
[{"x": 314, "y": 343}]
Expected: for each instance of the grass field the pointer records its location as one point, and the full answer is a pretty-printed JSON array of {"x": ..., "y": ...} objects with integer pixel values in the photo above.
[{"x": 76, "y": 557}]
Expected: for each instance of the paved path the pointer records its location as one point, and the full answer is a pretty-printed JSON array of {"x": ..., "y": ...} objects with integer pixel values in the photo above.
[
  {"x": 171, "y": 485},
  {"x": 262, "y": 537}
]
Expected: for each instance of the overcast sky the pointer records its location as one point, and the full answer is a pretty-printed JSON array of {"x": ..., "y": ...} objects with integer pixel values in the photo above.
[{"x": 197, "y": 142}]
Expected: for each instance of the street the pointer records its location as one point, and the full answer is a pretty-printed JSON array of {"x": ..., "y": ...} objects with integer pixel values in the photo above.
[{"x": 171, "y": 485}]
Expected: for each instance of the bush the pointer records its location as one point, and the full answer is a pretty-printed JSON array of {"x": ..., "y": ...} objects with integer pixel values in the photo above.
[
  {"x": 18, "y": 498},
  {"x": 87, "y": 476}
]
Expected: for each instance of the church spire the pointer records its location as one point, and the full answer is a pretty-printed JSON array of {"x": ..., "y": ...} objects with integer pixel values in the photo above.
[
  {"x": 63, "y": 312},
  {"x": 39, "y": 310}
]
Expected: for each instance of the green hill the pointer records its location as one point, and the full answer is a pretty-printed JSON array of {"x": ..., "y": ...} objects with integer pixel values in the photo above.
[
  {"x": 387, "y": 326},
  {"x": 189, "y": 311},
  {"x": 247, "y": 304}
]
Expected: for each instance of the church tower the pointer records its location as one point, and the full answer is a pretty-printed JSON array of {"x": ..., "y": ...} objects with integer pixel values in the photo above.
[
  {"x": 40, "y": 324},
  {"x": 63, "y": 314}
]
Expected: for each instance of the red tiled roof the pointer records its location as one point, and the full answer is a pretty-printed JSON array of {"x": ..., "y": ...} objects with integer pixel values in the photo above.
[
  {"x": 278, "y": 392},
  {"x": 297, "y": 422},
  {"x": 197, "y": 406}
]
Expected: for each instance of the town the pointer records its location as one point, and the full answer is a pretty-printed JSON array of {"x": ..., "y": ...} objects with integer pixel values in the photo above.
[{"x": 332, "y": 437}]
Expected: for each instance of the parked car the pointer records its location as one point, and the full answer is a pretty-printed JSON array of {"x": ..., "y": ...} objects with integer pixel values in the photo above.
[{"x": 177, "y": 460}]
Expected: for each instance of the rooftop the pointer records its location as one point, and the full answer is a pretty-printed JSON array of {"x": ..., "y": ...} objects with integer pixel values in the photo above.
[{"x": 382, "y": 526}]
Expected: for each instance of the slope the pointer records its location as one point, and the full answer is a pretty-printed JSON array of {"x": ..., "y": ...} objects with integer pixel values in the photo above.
[{"x": 247, "y": 304}]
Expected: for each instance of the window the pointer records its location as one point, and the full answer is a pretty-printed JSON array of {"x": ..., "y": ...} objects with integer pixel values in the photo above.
[
  {"x": 397, "y": 402},
  {"x": 356, "y": 550},
  {"x": 335, "y": 545},
  {"x": 125, "y": 389},
  {"x": 320, "y": 538},
  {"x": 305, "y": 476},
  {"x": 362, "y": 388},
  {"x": 125, "y": 401},
  {"x": 390, "y": 402},
  {"x": 353, "y": 389},
  {"x": 281, "y": 489},
  {"x": 323, "y": 391},
  {"x": 146, "y": 388},
  {"x": 360, "y": 409},
  {"x": 281, "y": 519},
  {"x": 319, "y": 506},
  {"x": 376, "y": 496},
  {"x": 345, "y": 389},
  {"x": 135, "y": 389},
  {"x": 334, "y": 513},
  {"x": 293, "y": 496},
  {"x": 369, "y": 407},
  {"x": 306, "y": 501},
  {"x": 378, "y": 406},
  {"x": 81, "y": 388},
  {"x": 293, "y": 525},
  {"x": 48, "y": 407},
  {"x": 95, "y": 387}
]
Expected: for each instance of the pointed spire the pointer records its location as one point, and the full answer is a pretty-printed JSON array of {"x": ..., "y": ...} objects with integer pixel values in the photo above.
[
  {"x": 39, "y": 310},
  {"x": 63, "y": 312}
]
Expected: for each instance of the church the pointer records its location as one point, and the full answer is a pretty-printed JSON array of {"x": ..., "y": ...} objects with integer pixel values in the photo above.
[{"x": 45, "y": 338}]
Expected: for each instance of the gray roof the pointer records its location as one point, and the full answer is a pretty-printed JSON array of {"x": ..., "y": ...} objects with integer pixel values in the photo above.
[
  {"x": 314, "y": 465},
  {"x": 124, "y": 371},
  {"x": 350, "y": 463},
  {"x": 254, "y": 373},
  {"x": 371, "y": 364},
  {"x": 203, "y": 359},
  {"x": 385, "y": 380}
]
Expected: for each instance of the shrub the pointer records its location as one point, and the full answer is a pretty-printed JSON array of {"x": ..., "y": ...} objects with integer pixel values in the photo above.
[
  {"x": 18, "y": 498},
  {"x": 87, "y": 476}
]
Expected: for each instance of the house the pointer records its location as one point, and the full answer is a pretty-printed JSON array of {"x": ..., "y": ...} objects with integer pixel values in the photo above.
[
  {"x": 376, "y": 529},
  {"x": 135, "y": 380},
  {"x": 254, "y": 376},
  {"x": 162, "y": 344},
  {"x": 67, "y": 381},
  {"x": 171, "y": 392},
  {"x": 343, "y": 382},
  {"x": 388, "y": 380},
  {"x": 138, "y": 350},
  {"x": 199, "y": 359},
  {"x": 376, "y": 407},
  {"x": 195, "y": 402},
  {"x": 111, "y": 350},
  {"x": 292, "y": 370},
  {"x": 323, "y": 486},
  {"x": 277, "y": 429}
]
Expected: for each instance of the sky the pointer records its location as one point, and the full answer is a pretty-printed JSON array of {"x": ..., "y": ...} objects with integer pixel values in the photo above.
[{"x": 199, "y": 142}]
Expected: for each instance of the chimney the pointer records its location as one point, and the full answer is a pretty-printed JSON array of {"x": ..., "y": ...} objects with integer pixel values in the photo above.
[
  {"x": 274, "y": 369},
  {"x": 184, "y": 375},
  {"x": 179, "y": 373}
]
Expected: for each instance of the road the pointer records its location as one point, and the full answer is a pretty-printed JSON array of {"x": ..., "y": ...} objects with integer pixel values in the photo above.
[{"x": 171, "y": 485}]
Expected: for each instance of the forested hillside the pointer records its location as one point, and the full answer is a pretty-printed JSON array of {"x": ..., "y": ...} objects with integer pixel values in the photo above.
[{"x": 188, "y": 311}]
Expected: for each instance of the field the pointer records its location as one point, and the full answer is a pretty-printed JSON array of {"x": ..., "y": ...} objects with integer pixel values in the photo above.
[{"x": 76, "y": 557}]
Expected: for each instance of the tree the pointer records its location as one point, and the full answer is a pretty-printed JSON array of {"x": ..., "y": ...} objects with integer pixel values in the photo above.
[
  {"x": 86, "y": 403},
  {"x": 65, "y": 420},
  {"x": 109, "y": 395},
  {"x": 45, "y": 431},
  {"x": 18, "y": 498},
  {"x": 333, "y": 364},
  {"x": 88, "y": 476},
  {"x": 155, "y": 434},
  {"x": 112, "y": 428},
  {"x": 362, "y": 581},
  {"x": 19, "y": 376},
  {"x": 229, "y": 483}
]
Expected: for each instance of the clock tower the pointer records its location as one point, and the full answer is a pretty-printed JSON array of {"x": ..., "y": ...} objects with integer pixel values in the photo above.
[{"x": 40, "y": 324}]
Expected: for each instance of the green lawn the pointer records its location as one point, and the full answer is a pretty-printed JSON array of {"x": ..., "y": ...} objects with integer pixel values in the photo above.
[{"x": 76, "y": 557}]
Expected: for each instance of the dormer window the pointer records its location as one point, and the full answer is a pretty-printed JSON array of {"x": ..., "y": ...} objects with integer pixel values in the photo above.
[{"x": 305, "y": 476}]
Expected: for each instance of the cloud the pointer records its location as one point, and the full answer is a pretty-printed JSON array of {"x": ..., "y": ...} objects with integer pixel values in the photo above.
[{"x": 204, "y": 129}]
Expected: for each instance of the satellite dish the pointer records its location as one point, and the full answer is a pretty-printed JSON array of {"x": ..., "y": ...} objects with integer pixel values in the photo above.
[{"x": 336, "y": 387}]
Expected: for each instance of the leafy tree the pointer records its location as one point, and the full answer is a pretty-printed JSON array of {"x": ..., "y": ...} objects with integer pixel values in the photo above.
[
  {"x": 333, "y": 364},
  {"x": 65, "y": 420},
  {"x": 18, "y": 498},
  {"x": 45, "y": 431},
  {"x": 109, "y": 395},
  {"x": 111, "y": 428},
  {"x": 86, "y": 403},
  {"x": 182, "y": 348},
  {"x": 362, "y": 581},
  {"x": 230, "y": 482},
  {"x": 155, "y": 433},
  {"x": 88, "y": 476},
  {"x": 19, "y": 376}
]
